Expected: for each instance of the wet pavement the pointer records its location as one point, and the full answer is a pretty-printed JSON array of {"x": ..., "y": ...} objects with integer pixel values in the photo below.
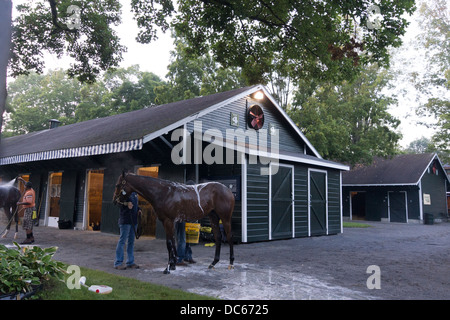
[{"x": 413, "y": 261}]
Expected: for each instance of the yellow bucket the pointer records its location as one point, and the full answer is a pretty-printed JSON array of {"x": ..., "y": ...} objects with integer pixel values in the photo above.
[{"x": 192, "y": 232}]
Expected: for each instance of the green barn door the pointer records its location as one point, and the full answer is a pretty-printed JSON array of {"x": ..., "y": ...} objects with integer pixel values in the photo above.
[
  {"x": 318, "y": 203},
  {"x": 397, "y": 206},
  {"x": 281, "y": 204}
]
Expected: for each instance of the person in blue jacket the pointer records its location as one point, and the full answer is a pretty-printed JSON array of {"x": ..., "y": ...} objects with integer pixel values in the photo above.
[{"x": 127, "y": 223}]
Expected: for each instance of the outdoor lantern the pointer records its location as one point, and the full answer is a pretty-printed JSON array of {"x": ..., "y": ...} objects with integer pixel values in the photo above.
[{"x": 259, "y": 95}]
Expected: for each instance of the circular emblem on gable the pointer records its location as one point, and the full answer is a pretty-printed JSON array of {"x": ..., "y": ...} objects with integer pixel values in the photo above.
[{"x": 255, "y": 117}]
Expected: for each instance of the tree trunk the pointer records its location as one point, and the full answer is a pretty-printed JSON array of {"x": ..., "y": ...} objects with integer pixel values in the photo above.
[{"x": 5, "y": 44}]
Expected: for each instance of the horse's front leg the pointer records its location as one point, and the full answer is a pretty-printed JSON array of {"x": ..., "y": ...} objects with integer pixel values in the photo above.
[
  {"x": 7, "y": 211},
  {"x": 16, "y": 220},
  {"x": 171, "y": 246}
]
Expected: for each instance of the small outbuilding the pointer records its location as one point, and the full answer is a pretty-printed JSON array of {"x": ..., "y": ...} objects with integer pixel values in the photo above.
[
  {"x": 242, "y": 138},
  {"x": 405, "y": 188}
]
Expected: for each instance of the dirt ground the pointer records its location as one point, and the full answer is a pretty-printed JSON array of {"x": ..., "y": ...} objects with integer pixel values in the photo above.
[{"x": 413, "y": 262}]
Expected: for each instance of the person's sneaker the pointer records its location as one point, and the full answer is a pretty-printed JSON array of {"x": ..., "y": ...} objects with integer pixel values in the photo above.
[
  {"x": 132, "y": 266},
  {"x": 190, "y": 261},
  {"x": 121, "y": 267},
  {"x": 27, "y": 241},
  {"x": 181, "y": 263}
]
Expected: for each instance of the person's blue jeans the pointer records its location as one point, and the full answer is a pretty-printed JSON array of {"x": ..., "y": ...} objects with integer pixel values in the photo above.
[
  {"x": 126, "y": 236},
  {"x": 184, "y": 250}
]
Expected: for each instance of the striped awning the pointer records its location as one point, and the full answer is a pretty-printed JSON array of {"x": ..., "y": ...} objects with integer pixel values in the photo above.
[{"x": 84, "y": 151}]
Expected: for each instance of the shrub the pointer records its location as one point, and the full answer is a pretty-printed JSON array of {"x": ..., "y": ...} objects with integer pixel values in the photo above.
[{"x": 22, "y": 268}]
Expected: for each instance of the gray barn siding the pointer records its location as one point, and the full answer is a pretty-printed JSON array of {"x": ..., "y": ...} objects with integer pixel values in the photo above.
[
  {"x": 334, "y": 202},
  {"x": 301, "y": 200},
  {"x": 257, "y": 204},
  {"x": 377, "y": 201},
  {"x": 434, "y": 185},
  {"x": 220, "y": 119},
  {"x": 216, "y": 172}
]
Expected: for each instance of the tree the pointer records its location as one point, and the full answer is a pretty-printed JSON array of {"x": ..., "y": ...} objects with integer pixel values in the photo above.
[
  {"x": 82, "y": 30},
  {"x": 348, "y": 122},
  {"x": 325, "y": 40},
  {"x": 317, "y": 39},
  {"x": 5, "y": 42},
  {"x": 434, "y": 83},
  {"x": 420, "y": 145},
  {"x": 34, "y": 99},
  {"x": 130, "y": 89},
  {"x": 190, "y": 77}
]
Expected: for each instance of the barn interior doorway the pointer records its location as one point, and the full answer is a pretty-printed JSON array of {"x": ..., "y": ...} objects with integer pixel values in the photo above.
[
  {"x": 94, "y": 199},
  {"x": 148, "y": 222},
  {"x": 358, "y": 205},
  {"x": 54, "y": 196}
]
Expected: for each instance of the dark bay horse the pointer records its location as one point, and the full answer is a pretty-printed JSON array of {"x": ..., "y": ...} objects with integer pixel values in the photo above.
[
  {"x": 179, "y": 202},
  {"x": 9, "y": 196}
]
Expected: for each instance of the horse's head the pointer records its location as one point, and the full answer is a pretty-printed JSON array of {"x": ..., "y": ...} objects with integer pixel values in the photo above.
[{"x": 122, "y": 190}]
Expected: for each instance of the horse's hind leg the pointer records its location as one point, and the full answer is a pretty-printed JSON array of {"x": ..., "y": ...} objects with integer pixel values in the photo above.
[
  {"x": 171, "y": 246},
  {"x": 227, "y": 229},
  {"x": 217, "y": 237}
]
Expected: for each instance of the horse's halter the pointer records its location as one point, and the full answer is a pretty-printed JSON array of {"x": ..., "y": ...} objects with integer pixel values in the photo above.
[{"x": 122, "y": 192}]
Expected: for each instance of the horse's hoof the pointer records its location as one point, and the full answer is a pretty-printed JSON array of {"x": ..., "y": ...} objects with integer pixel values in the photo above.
[
  {"x": 173, "y": 267},
  {"x": 16, "y": 235},
  {"x": 166, "y": 271},
  {"x": 211, "y": 267},
  {"x": 230, "y": 267},
  {"x": 5, "y": 234}
]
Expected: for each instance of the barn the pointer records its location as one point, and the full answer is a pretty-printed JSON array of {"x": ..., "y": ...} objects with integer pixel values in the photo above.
[
  {"x": 405, "y": 188},
  {"x": 242, "y": 138}
]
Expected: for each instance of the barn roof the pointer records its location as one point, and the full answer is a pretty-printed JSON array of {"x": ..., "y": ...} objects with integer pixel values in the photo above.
[
  {"x": 405, "y": 169},
  {"x": 128, "y": 131}
]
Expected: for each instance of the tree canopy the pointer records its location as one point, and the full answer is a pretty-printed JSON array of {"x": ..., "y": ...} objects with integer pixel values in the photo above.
[
  {"x": 317, "y": 47},
  {"x": 34, "y": 99},
  {"x": 434, "y": 83},
  {"x": 348, "y": 122},
  {"x": 316, "y": 39}
]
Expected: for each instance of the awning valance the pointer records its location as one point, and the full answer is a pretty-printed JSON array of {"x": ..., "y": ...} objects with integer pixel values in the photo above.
[{"x": 114, "y": 147}]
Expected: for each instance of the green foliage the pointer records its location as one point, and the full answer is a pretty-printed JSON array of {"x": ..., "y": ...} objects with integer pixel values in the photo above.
[
  {"x": 23, "y": 267},
  {"x": 327, "y": 40},
  {"x": 434, "y": 83},
  {"x": 124, "y": 288},
  {"x": 44, "y": 25},
  {"x": 317, "y": 39},
  {"x": 350, "y": 122},
  {"x": 34, "y": 99},
  {"x": 189, "y": 76}
]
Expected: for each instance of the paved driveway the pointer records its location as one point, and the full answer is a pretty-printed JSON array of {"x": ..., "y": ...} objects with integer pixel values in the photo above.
[{"x": 413, "y": 262}]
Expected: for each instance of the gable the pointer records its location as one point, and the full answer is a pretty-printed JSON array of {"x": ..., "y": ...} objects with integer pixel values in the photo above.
[
  {"x": 221, "y": 119},
  {"x": 130, "y": 131},
  {"x": 406, "y": 169}
]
